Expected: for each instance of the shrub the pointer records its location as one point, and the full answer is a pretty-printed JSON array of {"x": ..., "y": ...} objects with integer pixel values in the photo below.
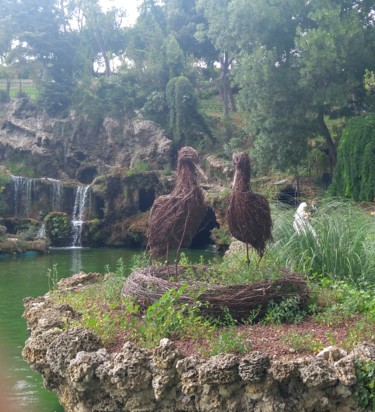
[
  {"x": 58, "y": 228},
  {"x": 365, "y": 372},
  {"x": 169, "y": 317},
  {"x": 287, "y": 311},
  {"x": 355, "y": 170}
]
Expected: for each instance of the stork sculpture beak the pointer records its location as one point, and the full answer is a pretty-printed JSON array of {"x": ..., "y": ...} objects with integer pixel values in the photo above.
[{"x": 200, "y": 170}]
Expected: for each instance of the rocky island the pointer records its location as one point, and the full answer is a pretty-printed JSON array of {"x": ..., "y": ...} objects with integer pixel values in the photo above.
[{"x": 87, "y": 377}]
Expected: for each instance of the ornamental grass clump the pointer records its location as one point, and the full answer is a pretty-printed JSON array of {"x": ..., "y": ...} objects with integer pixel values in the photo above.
[{"x": 343, "y": 248}]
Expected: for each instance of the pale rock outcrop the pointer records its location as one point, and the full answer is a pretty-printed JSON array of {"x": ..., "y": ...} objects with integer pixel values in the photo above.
[{"x": 68, "y": 147}]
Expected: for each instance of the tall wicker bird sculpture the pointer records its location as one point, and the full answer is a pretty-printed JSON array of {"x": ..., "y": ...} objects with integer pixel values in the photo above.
[
  {"x": 175, "y": 218},
  {"x": 248, "y": 214}
]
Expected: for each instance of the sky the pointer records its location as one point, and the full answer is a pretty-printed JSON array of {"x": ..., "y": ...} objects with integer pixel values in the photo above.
[{"x": 129, "y": 5}]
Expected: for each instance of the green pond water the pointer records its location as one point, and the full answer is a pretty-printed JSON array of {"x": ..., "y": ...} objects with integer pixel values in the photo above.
[{"x": 26, "y": 275}]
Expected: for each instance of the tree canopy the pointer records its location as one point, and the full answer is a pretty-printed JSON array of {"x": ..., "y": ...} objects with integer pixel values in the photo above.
[{"x": 292, "y": 67}]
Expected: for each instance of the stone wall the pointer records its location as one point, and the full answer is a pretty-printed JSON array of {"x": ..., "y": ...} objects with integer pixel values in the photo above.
[{"x": 88, "y": 378}]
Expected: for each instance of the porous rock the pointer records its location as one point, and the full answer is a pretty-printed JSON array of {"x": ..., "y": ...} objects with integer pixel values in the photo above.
[
  {"x": 318, "y": 374},
  {"x": 65, "y": 347},
  {"x": 332, "y": 354},
  {"x": 253, "y": 367},
  {"x": 79, "y": 280},
  {"x": 219, "y": 369}
]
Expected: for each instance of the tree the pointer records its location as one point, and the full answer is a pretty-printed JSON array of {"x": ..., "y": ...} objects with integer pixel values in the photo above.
[
  {"x": 185, "y": 122},
  {"x": 65, "y": 37},
  {"x": 354, "y": 176},
  {"x": 301, "y": 64},
  {"x": 182, "y": 19},
  {"x": 219, "y": 31},
  {"x": 147, "y": 47},
  {"x": 332, "y": 58},
  {"x": 276, "y": 105},
  {"x": 103, "y": 31},
  {"x": 182, "y": 105},
  {"x": 175, "y": 56}
]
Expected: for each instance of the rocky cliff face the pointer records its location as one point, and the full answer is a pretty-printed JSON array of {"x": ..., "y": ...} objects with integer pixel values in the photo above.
[
  {"x": 70, "y": 148},
  {"x": 53, "y": 159},
  {"x": 87, "y": 378}
]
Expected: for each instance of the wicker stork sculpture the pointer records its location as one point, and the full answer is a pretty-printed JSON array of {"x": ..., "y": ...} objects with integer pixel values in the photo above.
[
  {"x": 175, "y": 218},
  {"x": 248, "y": 214}
]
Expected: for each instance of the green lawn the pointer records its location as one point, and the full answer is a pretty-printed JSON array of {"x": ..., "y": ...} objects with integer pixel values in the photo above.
[{"x": 26, "y": 86}]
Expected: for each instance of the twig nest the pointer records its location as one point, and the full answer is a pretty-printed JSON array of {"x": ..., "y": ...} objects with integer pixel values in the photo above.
[{"x": 149, "y": 284}]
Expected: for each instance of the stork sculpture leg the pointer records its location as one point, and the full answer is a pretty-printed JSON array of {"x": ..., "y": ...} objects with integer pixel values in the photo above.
[
  {"x": 247, "y": 255},
  {"x": 180, "y": 245},
  {"x": 167, "y": 259}
]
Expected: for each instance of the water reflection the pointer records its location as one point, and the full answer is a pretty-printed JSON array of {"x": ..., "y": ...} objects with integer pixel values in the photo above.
[{"x": 76, "y": 261}]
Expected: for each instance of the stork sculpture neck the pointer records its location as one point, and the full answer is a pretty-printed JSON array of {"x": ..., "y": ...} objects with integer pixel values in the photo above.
[
  {"x": 186, "y": 176},
  {"x": 241, "y": 181}
]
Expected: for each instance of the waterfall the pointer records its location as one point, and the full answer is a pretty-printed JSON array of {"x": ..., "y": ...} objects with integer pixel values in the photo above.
[
  {"x": 42, "y": 231},
  {"x": 78, "y": 214},
  {"x": 23, "y": 189},
  {"x": 57, "y": 189}
]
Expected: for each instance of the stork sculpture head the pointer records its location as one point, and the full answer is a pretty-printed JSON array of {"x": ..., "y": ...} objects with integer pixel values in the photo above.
[
  {"x": 241, "y": 163},
  {"x": 187, "y": 156}
]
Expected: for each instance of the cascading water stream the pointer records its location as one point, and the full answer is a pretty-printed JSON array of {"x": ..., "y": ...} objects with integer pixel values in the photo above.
[
  {"x": 23, "y": 188},
  {"x": 78, "y": 214},
  {"x": 57, "y": 191}
]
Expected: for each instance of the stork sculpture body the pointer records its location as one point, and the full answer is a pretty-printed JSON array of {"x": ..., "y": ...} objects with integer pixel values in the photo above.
[
  {"x": 248, "y": 214},
  {"x": 175, "y": 218}
]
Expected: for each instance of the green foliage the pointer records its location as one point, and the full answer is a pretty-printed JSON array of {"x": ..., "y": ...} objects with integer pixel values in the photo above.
[
  {"x": 182, "y": 106},
  {"x": 4, "y": 180},
  {"x": 185, "y": 123},
  {"x": 227, "y": 341},
  {"x": 317, "y": 160},
  {"x": 155, "y": 108},
  {"x": 354, "y": 175},
  {"x": 19, "y": 167},
  {"x": 361, "y": 331},
  {"x": 117, "y": 96},
  {"x": 115, "y": 278},
  {"x": 287, "y": 311},
  {"x": 344, "y": 301},
  {"x": 58, "y": 228},
  {"x": 168, "y": 317},
  {"x": 138, "y": 167},
  {"x": 99, "y": 314},
  {"x": 28, "y": 231},
  {"x": 369, "y": 86},
  {"x": 233, "y": 268},
  {"x": 53, "y": 277},
  {"x": 221, "y": 236},
  {"x": 175, "y": 56},
  {"x": 140, "y": 261},
  {"x": 365, "y": 396},
  {"x": 304, "y": 342},
  {"x": 100, "y": 306}
]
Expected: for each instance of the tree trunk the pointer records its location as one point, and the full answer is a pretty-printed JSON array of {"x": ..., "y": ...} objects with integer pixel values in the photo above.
[
  {"x": 104, "y": 54},
  {"x": 225, "y": 90},
  {"x": 328, "y": 138}
]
